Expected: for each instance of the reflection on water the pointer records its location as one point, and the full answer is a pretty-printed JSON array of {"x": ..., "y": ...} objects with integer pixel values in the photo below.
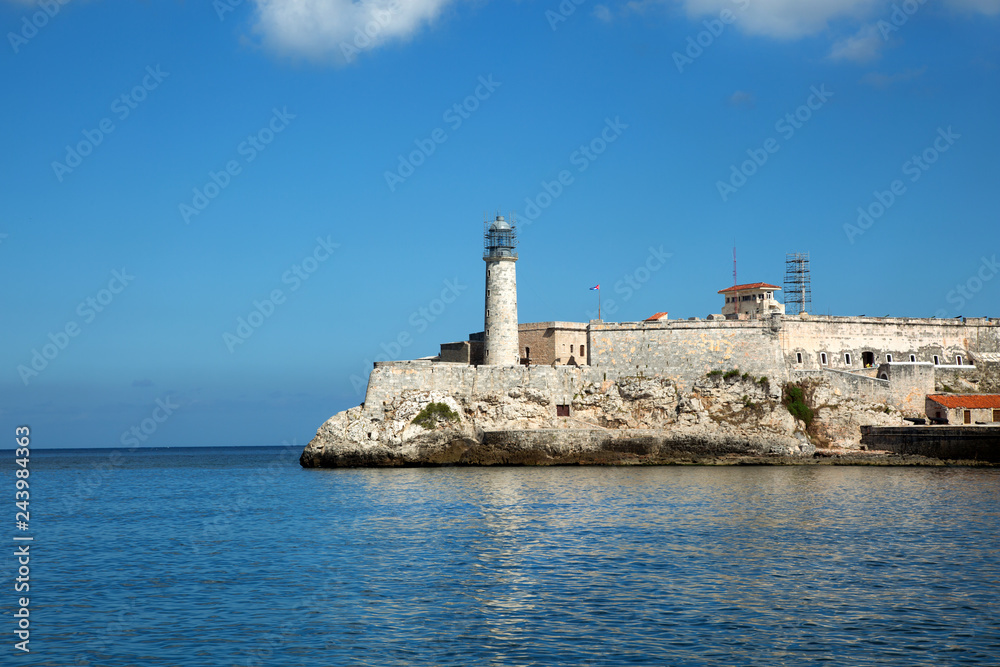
[{"x": 511, "y": 566}]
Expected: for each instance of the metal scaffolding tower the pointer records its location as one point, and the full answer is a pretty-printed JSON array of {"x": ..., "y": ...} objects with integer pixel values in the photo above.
[{"x": 798, "y": 288}]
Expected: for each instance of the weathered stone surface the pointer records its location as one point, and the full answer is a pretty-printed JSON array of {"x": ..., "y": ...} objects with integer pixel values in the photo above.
[{"x": 631, "y": 420}]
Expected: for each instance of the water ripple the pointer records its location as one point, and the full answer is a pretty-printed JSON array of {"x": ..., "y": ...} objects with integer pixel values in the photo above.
[{"x": 221, "y": 557}]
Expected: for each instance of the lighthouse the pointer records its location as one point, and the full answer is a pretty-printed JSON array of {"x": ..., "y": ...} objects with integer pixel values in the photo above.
[{"x": 501, "y": 343}]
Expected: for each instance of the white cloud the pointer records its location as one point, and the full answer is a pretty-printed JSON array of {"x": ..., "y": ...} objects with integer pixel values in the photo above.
[
  {"x": 879, "y": 80},
  {"x": 787, "y": 19},
  {"x": 603, "y": 13},
  {"x": 792, "y": 19},
  {"x": 339, "y": 30},
  {"x": 742, "y": 98},
  {"x": 991, "y": 7},
  {"x": 862, "y": 47}
]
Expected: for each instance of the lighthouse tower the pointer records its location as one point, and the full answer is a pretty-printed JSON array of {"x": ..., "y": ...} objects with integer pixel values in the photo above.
[{"x": 501, "y": 346}]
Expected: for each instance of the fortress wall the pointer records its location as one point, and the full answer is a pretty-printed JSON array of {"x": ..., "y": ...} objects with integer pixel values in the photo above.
[
  {"x": 389, "y": 379},
  {"x": 686, "y": 350},
  {"x": 851, "y": 385},
  {"x": 897, "y": 336},
  {"x": 956, "y": 377}
]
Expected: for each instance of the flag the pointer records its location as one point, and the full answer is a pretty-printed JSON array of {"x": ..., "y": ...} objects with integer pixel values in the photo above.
[{"x": 596, "y": 287}]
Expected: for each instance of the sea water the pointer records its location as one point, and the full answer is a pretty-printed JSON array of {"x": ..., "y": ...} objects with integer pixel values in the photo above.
[{"x": 240, "y": 557}]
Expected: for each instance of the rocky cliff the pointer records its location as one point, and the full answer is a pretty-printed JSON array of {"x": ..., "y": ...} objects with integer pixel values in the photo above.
[{"x": 629, "y": 420}]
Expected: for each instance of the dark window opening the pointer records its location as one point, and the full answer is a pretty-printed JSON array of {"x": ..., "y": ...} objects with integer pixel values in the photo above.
[
  {"x": 996, "y": 415},
  {"x": 936, "y": 360},
  {"x": 913, "y": 357},
  {"x": 822, "y": 358},
  {"x": 581, "y": 350},
  {"x": 868, "y": 359},
  {"x": 798, "y": 357},
  {"x": 958, "y": 360},
  {"x": 562, "y": 411},
  {"x": 968, "y": 416},
  {"x": 847, "y": 358},
  {"x": 888, "y": 358}
]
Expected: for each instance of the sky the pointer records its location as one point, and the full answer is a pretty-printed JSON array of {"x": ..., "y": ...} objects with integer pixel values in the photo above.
[{"x": 217, "y": 215}]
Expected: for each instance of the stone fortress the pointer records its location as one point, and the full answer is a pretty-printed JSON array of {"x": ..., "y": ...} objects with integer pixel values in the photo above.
[
  {"x": 889, "y": 357},
  {"x": 523, "y": 382}
]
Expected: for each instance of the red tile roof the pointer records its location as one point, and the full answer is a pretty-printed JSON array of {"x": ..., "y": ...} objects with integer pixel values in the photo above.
[
  {"x": 656, "y": 316},
  {"x": 967, "y": 400},
  {"x": 748, "y": 286}
]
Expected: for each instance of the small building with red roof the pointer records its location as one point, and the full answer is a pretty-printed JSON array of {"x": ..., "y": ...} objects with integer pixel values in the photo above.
[
  {"x": 963, "y": 408},
  {"x": 751, "y": 301}
]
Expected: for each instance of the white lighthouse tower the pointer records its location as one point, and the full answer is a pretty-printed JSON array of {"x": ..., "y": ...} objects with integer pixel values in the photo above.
[{"x": 501, "y": 346}]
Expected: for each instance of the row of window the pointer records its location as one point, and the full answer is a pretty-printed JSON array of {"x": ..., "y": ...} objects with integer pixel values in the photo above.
[
  {"x": 583, "y": 348},
  {"x": 749, "y": 297},
  {"x": 868, "y": 359}
]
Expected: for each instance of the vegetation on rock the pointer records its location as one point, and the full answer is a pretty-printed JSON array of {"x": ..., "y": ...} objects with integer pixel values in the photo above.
[
  {"x": 794, "y": 399},
  {"x": 435, "y": 413}
]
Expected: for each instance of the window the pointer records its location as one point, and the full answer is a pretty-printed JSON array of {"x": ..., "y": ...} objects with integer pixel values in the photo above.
[
  {"x": 562, "y": 411},
  {"x": 822, "y": 358},
  {"x": 996, "y": 415},
  {"x": 847, "y": 358},
  {"x": 487, "y": 292},
  {"x": 798, "y": 357},
  {"x": 487, "y": 312},
  {"x": 958, "y": 360},
  {"x": 581, "y": 350},
  {"x": 913, "y": 357},
  {"x": 968, "y": 416},
  {"x": 888, "y": 358},
  {"x": 527, "y": 353},
  {"x": 936, "y": 360}
]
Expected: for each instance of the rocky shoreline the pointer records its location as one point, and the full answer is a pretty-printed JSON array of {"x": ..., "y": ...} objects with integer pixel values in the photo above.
[{"x": 735, "y": 420}]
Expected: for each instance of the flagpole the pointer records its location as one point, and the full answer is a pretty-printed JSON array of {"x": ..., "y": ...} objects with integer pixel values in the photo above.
[{"x": 598, "y": 304}]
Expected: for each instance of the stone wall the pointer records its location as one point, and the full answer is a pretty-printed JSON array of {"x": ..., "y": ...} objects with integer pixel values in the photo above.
[
  {"x": 900, "y": 337},
  {"x": 685, "y": 350},
  {"x": 537, "y": 341},
  {"x": 945, "y": 442},
  {"x": 558, "y": 385},
  {"x": 781, "y": 346},
  {"x": 459, "y": 353},
  {"x": 962, "y": 378},
  {"x": 873, "y": 390}
]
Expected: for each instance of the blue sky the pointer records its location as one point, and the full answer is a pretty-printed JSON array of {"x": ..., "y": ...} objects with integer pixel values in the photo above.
[{"x": 271, "y": 148}]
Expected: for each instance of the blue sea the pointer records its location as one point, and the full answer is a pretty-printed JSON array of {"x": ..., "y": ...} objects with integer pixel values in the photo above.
[{"x": 240, "y": 557}]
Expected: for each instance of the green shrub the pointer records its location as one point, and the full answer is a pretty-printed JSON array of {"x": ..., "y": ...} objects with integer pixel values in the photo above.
[
  {"x": 434, "y": 413},
  {"x": 795, "y": 400},
  {"x": 735, "y": 373},
  {"x": 763, "y": 380},
  {"x": 713, "y": 374}
]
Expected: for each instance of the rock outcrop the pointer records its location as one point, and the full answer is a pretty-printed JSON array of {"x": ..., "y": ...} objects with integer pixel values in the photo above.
[{"x": 634, "y": 420}]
